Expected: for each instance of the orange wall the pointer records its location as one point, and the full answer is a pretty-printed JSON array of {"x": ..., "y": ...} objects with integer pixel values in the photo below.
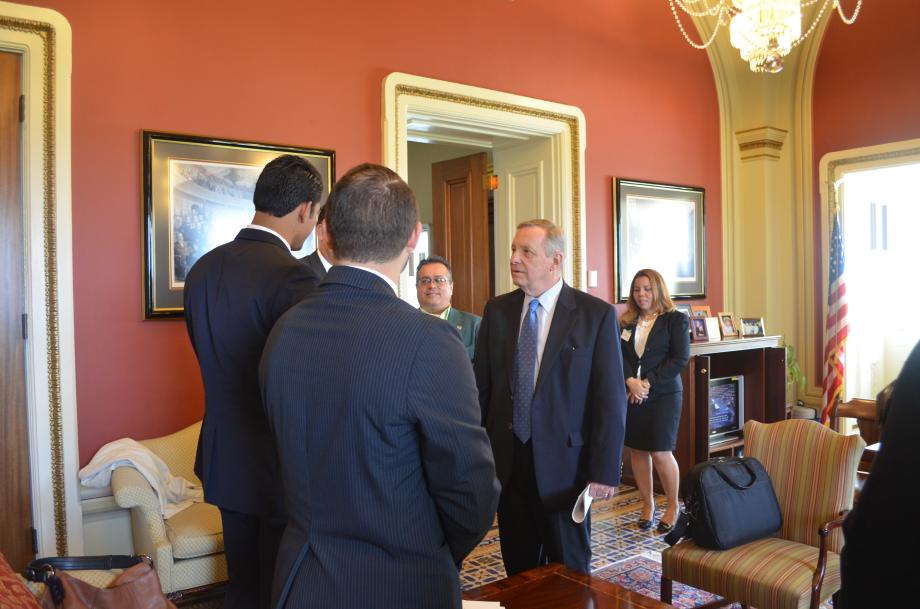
[
  {"x": 866, "y": 92},
  {"x": 310, "y": 73}
]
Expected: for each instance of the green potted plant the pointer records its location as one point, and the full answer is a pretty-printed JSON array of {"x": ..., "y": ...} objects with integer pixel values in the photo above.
[{"x": 794, "y": 375}]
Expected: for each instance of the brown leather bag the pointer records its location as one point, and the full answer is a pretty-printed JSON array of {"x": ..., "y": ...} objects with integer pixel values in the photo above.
[{"x": 137, "y": 587}]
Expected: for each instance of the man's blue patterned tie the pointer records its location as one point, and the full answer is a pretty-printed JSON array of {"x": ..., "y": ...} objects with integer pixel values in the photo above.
[{"x": 525, "y": 364}]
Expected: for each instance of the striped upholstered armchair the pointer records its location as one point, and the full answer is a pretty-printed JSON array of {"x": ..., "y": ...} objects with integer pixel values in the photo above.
[{"x": 813, "y": 470}]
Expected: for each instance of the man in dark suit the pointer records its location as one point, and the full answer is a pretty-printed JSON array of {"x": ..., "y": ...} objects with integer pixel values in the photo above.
[
  {"x": 233, "y": 296},
  {"x": 388, "y": 477},
  {"x": 434, "y": 285},
  {"x": 553, "y": 401},
  {"x": 873, "y": 569},
  {"x": 320, "y": 261}
]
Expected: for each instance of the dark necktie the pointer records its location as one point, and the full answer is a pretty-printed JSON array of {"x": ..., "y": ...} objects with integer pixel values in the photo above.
[{"x": 525, "y": 364}]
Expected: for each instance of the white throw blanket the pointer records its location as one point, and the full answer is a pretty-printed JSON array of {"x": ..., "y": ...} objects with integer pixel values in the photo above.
[{"x": 174, "y": 493}]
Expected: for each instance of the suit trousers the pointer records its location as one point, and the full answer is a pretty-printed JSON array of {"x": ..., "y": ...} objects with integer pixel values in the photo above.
[
  {"x": 251, "y": 547},
  {"x": 530, "y": 535}
]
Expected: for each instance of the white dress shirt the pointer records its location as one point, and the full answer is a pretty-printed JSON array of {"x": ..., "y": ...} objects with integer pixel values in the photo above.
[
  {"x": 389, "y": 281},
  {"x": 275, "y": 233}
]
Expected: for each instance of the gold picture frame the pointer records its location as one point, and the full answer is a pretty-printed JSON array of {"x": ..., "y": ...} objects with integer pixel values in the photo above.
[{"x": 197, "y": 194}]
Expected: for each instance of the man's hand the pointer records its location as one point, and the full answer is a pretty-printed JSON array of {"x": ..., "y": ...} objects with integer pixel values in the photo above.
[{"x": 601, "y": 491}]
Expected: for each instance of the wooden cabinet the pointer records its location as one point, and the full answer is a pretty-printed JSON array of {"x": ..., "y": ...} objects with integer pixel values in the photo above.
[{"x": 762, "y": 362}]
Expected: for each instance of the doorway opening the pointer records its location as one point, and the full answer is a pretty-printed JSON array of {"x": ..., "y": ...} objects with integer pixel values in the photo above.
[{"x": 537, "y": 155}]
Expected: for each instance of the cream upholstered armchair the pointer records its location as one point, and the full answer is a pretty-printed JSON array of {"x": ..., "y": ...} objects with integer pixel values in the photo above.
[
  {"x": 187, "y": 549},
  {"x": 813, "y": 470}
]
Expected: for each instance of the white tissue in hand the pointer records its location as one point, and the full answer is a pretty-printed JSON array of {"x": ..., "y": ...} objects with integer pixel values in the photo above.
[{"x": 582, "y": 505}]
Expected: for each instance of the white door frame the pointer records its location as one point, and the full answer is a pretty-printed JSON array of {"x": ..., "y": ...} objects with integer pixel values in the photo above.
[
  {"x": 43, "y": 38},
  {"x": 404, "y": 94}
]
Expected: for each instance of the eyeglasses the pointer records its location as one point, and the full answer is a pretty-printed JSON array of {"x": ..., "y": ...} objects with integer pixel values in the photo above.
[{"x": 438, "y": 279}]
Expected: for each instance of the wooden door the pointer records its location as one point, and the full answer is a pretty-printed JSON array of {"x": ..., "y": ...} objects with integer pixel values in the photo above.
[
  {"x": 460, "y": 227},
  {"x": 15, "y": 497}
]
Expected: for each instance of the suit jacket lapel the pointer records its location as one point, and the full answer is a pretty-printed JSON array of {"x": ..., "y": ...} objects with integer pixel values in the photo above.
[
  {"x": 563, "y": 318},
  {"x": 513, "y": 319}
]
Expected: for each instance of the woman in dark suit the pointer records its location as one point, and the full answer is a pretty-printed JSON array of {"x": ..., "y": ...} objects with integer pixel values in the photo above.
[{"x": 656, "y": 346}]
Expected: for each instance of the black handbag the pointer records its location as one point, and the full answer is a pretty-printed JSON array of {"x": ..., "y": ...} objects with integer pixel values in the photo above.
[{"x": 729, "y": 501}]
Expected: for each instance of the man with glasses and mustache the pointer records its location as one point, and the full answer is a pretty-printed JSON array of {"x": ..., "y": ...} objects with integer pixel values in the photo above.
[{"x": 434, "y": 283}]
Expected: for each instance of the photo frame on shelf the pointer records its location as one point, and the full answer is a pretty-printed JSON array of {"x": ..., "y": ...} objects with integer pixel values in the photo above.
[
  {"x": 698, "y": 331},
  {"x": 662, "y": 227},
  {"x": 197, "y": 194},
  {"x": 685, "y": 309},
  {"x": 713, "y": 330},
  {"x": 752, "y": 327},
  {"x": 700, "y": 311},
  {"x": 728, "y": 326}
]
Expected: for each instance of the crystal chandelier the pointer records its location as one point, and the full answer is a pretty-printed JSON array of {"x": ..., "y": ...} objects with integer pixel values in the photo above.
[{"x": 764, "y": 31}]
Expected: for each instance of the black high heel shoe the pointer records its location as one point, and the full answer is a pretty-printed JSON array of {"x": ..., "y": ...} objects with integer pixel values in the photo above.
[
  {"x": 664, "y": 527},
  {"x": 645, "y": 525}
]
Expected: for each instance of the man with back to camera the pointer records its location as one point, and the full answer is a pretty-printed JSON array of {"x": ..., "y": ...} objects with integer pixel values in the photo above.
[
  {"x": 321, "y": 259},
  {"x": 434, "y": 285},
  {"x": 233, "y": 296},
  {"x": 388, "y": 476},
  {"x": 551, "y": 388}
]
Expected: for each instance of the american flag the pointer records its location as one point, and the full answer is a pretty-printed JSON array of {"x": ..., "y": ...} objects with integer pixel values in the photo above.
[{"x": 837, "y": 326}]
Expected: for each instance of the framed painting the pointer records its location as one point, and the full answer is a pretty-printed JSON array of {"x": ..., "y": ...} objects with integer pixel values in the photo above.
[
  {"x": 197, "y": 195},
  {"x": 661, "y": 227}
]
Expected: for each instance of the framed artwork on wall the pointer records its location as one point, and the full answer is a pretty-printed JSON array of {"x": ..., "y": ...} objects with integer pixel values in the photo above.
[
  {"x": 661, "y": 227},
  {"x": 197, "y": 195}
]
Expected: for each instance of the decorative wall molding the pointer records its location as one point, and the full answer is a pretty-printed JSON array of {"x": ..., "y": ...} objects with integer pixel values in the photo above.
[
  {"x": 43, "y": 37},
  {"x": 404, "y": 94},
  {"x": 761, "y": 142}
]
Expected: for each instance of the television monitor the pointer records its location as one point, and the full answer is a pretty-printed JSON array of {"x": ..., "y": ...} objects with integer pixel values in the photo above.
[{"x": 726, "y": 408}]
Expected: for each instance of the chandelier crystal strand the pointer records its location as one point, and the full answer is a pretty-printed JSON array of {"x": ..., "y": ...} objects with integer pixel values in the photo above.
[
  {"x": 680, "y": 25},
  {"x": 763, "y": 31},
  {"x": 706, "y": 12},
  {"x": 814, "y": 23},
  {"x": 844, "y": 17}
]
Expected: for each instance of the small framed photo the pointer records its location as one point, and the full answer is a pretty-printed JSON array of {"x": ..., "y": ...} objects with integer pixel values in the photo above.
[
  {"x": 698, "y": 331},
  {"x": 751, "y": 327},
  {"x": 701, "y": 311},
  {"x": 198, "y": 195},
  {"x": 727, "y": 325},
  {"x": 685, "y": 309},
  {"x": 712, "y": 329}
]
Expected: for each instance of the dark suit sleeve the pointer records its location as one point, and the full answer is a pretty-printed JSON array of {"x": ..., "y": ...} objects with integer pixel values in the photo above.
[
  {"x": 481, "y": 364},
  {"x": 607, "y": 404},
  {"x": 678, "y": 349},
  {"x": 299, "y": 281},
  {"x": 455, "y": 450}
]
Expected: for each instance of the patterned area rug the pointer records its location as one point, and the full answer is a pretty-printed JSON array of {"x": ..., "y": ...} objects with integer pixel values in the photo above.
[
  {"x": 620, "y": 553},
  {"x": 642, "y": 574},
  {"x": 614, "y": 538}
]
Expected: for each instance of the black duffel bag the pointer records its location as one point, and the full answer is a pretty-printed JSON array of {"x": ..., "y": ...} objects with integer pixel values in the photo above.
[{"x": 729, "y": 501}]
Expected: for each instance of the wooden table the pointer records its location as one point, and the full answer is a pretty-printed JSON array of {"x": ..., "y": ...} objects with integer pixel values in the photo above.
[{"x": 556, "y": 587}]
